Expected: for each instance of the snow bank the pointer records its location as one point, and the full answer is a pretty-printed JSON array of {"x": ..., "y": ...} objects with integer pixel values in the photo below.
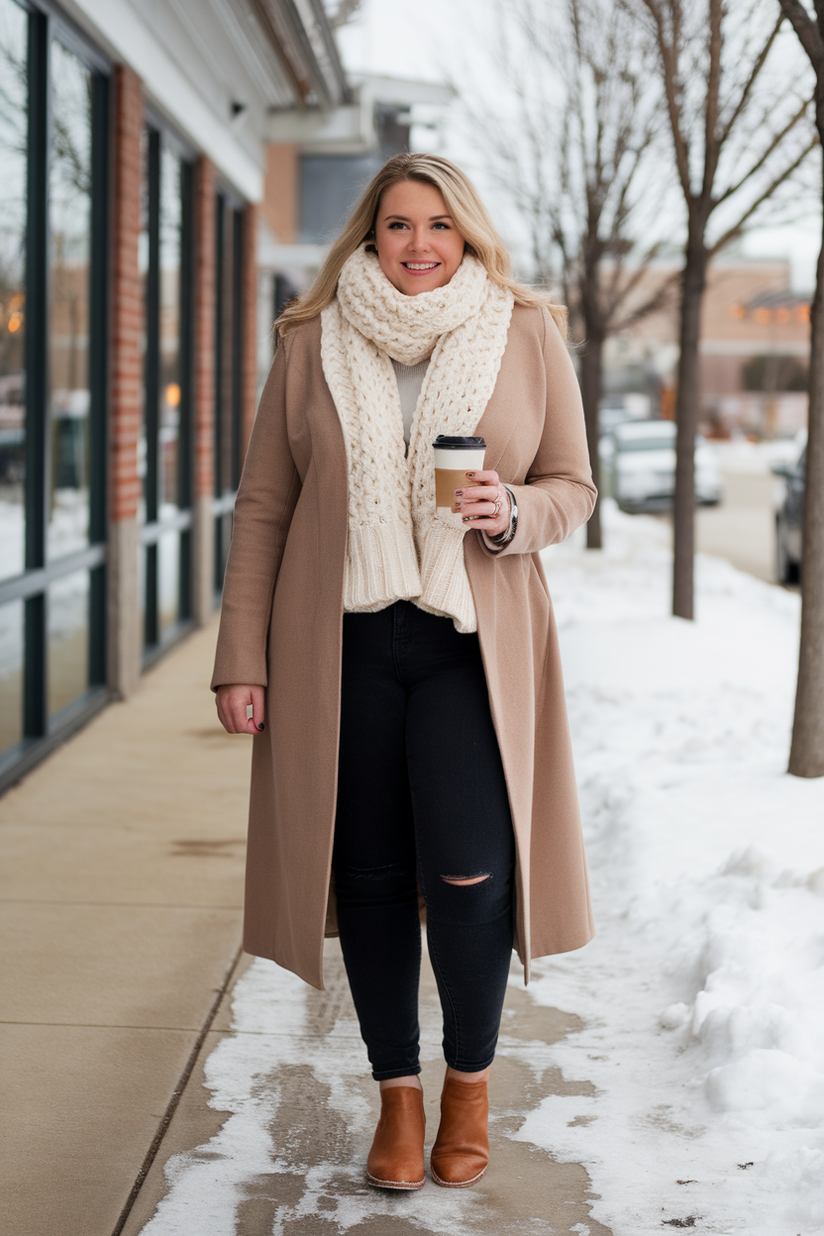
[{"x": 703, "y": 995}]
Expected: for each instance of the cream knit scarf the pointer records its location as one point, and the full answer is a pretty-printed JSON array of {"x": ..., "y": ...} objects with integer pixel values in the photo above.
[{"x": 399, "y": 548}]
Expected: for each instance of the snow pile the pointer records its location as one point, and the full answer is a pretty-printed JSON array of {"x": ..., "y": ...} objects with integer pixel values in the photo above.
[{"x": 703, "y": 994}]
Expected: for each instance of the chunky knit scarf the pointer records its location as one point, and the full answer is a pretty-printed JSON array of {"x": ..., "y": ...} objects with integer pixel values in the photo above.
[{"x": 399, "y": 548}]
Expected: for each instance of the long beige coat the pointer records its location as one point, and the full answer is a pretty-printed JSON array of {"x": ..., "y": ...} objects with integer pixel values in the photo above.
[{"x": 281, "y": 628}]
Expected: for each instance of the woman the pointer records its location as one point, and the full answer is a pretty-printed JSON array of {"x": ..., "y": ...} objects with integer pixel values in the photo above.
[{"x": 415, "y": 736}]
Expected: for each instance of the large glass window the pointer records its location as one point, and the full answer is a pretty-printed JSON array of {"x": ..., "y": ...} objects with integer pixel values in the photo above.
[
  {"x": 13, "y": 141},
  {"x": 70, "y": 214},
  {"x": 53, "y": 238},
  {"x": 165, "y": 262},
  {"x": 228, "y": 388}
]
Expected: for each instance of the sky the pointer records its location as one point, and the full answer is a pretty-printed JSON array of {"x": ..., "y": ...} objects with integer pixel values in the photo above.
[{"x": 429, "y": 38}]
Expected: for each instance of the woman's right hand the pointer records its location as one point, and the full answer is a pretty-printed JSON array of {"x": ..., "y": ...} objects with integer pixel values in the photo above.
[{"x": 232, "y": 703}]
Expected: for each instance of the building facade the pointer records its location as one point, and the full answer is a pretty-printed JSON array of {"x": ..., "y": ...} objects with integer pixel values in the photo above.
[
  {"x": 133, "y": 154},
  {"x": 754, "y": 349}
]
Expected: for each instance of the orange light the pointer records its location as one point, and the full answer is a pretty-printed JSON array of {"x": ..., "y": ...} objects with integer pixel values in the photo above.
[
  {"x": 737, "y": 311},
  {"x": 14, "y": 322},
  {"x": 173, "y": 394},
  {"x": 763, "y": 317},
  {"x": 803, "y": 313},
  {"x": 783, "y": 316}
]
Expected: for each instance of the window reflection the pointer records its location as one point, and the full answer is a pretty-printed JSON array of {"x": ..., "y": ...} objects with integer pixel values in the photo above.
[
  {"x": 13, "y": 138},
  {"x": 68, "y": 640},
  {"x": 169, "y": 394},
  {"x": 168, "y": 580},
  {"x": 69, "y": 255},
  {"x": 11, "y": 674}
]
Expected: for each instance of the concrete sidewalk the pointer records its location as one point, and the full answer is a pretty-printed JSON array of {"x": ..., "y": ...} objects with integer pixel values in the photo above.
[{"x": 120, "y": 891}]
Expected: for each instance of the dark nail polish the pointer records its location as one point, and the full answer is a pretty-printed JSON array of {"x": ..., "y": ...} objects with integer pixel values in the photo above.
[
  {"x": 458, "y": 493},
  {"x": 261, "y": 726},
  {"x": 470, "y": 474}
]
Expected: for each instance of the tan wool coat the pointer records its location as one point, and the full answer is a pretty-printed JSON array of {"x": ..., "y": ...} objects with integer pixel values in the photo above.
[{"x": 281, "y": 628}]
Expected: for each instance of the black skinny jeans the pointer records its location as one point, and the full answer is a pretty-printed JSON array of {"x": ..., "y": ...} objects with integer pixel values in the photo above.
[{"x": 421, "y": 797}]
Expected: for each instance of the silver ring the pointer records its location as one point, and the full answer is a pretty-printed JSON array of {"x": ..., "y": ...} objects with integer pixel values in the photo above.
[{"x": 497, "y": 508}]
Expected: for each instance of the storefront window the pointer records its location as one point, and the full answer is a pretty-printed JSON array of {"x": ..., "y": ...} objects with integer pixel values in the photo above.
[
  {"x": 53, "y": 247},
  {"x": 70, "y": 211},
  {"x": 228, "y": 333},
  {"x": 13, "y": 140},
  {"x": 165, "y": 457}
]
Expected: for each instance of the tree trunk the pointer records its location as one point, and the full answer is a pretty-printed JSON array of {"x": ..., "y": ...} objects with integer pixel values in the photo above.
[
  {"x": 686, "y": 415},
  {"x": 807, "y": 749},
  {"x": 591, "y": 385}
]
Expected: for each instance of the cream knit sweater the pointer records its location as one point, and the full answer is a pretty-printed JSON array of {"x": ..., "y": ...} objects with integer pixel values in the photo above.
[{"x": 399, "y": 548}]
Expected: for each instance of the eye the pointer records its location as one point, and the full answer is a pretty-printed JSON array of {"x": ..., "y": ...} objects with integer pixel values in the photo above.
[
  {"x": 445, "y": 226},
  {"x": 396, "y": 225}
]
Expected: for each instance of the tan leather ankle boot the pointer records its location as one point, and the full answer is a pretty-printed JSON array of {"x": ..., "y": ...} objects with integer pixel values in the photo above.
[
  {"x": 461, "y": 1151},
  {"x": 396, "y": 1158}
]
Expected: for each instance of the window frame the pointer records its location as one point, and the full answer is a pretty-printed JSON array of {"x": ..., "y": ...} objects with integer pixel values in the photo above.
[
  {"x": 154, "y": 641},
  {"x": 41, "y": 732}
]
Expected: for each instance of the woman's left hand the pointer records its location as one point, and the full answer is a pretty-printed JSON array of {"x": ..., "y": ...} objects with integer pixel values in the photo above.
[{"x": 483, "y": 503}]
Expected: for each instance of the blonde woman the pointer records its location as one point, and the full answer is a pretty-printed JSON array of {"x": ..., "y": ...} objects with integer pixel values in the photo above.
[{"x": 401, "y": 672}]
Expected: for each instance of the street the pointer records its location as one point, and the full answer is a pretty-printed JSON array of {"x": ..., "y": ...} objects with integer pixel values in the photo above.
[{"x": 742, "y": 528}]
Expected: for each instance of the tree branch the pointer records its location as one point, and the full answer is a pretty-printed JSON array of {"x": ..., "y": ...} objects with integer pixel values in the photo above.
[
  {"x": 735, "y": 231},
  {"x": 808, "y": 31},
  {"x": 765, "y": 154}
]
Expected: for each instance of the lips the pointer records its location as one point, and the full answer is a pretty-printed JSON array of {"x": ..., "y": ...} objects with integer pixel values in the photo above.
[{"x": 420, "y": 268}]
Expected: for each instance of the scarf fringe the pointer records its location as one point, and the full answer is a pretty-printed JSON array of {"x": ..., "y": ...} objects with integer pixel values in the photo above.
[
  {"x": 446, "y": 590},
  {"x": 381, "y": 567}
]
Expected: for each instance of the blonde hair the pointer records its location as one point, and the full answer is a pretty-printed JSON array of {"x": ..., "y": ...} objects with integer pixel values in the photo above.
[{"x": 469, "y": 216}]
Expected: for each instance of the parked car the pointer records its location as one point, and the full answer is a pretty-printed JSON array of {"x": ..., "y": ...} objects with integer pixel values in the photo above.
[
  {"x": 788, "y": 520},
  {"x": 643, "y": 467}
]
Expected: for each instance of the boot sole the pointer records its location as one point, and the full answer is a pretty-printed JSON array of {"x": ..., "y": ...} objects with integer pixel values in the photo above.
[
  {"x": 455, "y": 1184},
  {"x": 395, "y": 1184}
]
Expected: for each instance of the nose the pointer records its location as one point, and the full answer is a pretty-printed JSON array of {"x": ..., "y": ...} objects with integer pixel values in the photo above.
[{"x": 419, "y": 239}]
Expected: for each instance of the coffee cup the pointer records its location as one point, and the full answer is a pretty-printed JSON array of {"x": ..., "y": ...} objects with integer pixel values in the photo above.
[{"x": 454, "y": 457}]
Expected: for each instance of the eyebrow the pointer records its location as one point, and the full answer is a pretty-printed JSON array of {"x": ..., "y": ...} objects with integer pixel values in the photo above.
[{"x": 406, "y": 219}]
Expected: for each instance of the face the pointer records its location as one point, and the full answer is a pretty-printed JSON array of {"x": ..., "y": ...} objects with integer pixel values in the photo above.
[{"x": 419, "y": 246}]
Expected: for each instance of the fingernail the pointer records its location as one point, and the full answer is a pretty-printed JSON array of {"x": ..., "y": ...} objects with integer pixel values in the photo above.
[
  {"x": 261, "y": 726},
  {"x": 470, "y": 474},
  {"x": 458, "y": 493}
]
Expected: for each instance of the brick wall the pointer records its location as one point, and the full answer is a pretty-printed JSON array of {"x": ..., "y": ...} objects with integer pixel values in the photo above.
[
  {"x": 127, "y": 301},
  {"x": 203, "y": 404}
]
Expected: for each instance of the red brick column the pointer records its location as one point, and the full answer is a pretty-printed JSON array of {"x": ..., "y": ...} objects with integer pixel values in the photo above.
[
  {"x": 124, "y": 640},
  {"x": 203, "y": 393},
  {"x": 248, "y": 359},
  {"x": 127, "y": 301}
]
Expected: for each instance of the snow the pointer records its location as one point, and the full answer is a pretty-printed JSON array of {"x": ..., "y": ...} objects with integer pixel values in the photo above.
[
  {"x": 703, "y": 993},
  {"x": 702, "y": 996}
]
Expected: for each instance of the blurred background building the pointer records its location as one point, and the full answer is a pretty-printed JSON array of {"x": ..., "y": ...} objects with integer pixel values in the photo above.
[{"x": 754, "y": 349}]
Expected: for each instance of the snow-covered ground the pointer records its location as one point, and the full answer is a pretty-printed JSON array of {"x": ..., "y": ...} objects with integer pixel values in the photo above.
[
  {"x": 702, "y": 997},
  {"x": 703, "y": 994}
]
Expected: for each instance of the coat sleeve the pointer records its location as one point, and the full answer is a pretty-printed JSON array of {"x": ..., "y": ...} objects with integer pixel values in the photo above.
[
  {"x": 269, "y": 489},
  {"x": 558, "y": 495}
]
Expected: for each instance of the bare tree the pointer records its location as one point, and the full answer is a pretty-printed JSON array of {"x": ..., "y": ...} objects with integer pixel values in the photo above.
[
  {"x": 342, "y": 12},
  {"x": 570, "y": 140},
  {"x": 807, "y": 748},
  {"x": 739, "y": 117}
]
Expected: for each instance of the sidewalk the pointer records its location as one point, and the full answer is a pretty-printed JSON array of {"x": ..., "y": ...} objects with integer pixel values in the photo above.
[{"x": 121, "y": 861}]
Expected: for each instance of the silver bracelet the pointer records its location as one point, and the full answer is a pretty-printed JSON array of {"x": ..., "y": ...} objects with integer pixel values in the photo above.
[{"x": 503, "y": 538}]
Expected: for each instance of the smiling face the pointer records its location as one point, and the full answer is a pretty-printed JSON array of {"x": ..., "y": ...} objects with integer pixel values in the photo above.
[{"x": 419, "y": 247}]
